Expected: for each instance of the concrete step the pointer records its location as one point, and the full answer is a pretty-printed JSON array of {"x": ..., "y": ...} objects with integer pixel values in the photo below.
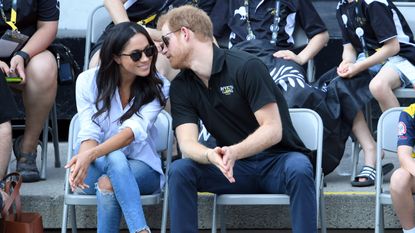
[{"x": 346, "y": 207}]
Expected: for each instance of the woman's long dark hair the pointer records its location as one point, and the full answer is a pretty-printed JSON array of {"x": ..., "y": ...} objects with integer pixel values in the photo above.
[{"x": 143, "y": 90}]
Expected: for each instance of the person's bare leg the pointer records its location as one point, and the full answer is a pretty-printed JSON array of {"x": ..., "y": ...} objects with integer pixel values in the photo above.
[
  {"x": 38, "y": 97},
  {"x": 5, "y": 147},
  {"x": 402, "y": 186},
  {"x": 365, "y": 139},
  {"x": 382, "y": 86}
]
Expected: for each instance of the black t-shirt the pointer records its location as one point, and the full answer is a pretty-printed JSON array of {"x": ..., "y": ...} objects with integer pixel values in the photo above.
[
  {"x": 239, "y": 85},
  {"x": 29, "y": 12},
  {"x": 142, "y": 9},
  {"x": 380, "y": 20},
  {"x": 261, "y": 15}
]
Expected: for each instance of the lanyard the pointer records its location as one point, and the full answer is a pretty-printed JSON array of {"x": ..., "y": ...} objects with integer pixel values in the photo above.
[
  {"x": 13, "y": 14},
  {"x": 250, "y": 35},
  {"x": 359, "y": 29},
  {"x": 274, "y": 27}
]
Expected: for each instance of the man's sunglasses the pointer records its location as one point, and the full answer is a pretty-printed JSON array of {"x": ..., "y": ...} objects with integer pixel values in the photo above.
[
  {"x": 166, "y": 39},
  {"x": 149, "y": 51}
]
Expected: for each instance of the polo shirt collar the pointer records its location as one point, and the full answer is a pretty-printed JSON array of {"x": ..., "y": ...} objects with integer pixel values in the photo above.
[{"x": 218, "y": 59}]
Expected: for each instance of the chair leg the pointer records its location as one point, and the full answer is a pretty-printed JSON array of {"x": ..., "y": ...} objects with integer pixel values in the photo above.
[
  {"x": 165, "y": 209},
  {"x": 74, "y": 228},
  {"x": 214, "y": 214},
  {"x": 44, "y": 154},
  {"x": 64, "y": 219},
  {"x": 322, "y": 214},
  {"x": 222, "y": 219},
  {"x": 355, "y": 158},
  {"x": 55, "y": 135}
]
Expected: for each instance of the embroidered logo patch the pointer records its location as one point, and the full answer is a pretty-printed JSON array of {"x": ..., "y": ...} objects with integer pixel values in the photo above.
[
  {"x": 401, "y": 128},
  {"x": 227, "y": 90}
]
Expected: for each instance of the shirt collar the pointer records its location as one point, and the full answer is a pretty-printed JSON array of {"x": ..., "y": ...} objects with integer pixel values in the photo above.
[{"x": 218, "y": 59}]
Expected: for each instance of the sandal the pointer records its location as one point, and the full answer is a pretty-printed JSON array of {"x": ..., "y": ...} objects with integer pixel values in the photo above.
[
  {"x": 370, "y": 174},
  {"x": 26, "y": 163},
  {"x": 367, "y": 172}
]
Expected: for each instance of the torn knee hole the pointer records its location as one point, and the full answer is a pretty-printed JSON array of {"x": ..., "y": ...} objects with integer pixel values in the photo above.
[{"x": 104, "y": 184}]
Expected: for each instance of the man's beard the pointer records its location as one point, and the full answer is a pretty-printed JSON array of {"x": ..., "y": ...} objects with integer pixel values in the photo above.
[{"x": 180, "y": 60}]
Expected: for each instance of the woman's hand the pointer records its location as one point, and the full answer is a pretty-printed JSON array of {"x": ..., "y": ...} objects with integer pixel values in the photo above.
[{"x": 78, "y": 166}]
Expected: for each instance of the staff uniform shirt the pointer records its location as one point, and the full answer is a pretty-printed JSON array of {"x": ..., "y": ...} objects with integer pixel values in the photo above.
[
  {"x": 380, "y": 20},
  {"x": 145, "y": 134},
  {"x": 239, "y": 86},
  {"x": 261, "y": 15},
  {"x": 29, "y": 12},
  {"x": 142, "y": 9},
  {"x": 406, "y": 127}
]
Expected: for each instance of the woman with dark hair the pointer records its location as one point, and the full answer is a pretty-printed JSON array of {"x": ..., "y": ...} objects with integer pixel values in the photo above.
[{"x": 118, "y": 103}]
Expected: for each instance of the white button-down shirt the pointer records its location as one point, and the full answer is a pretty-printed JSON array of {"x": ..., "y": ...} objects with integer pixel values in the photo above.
[{"x": 145, "y": 134}]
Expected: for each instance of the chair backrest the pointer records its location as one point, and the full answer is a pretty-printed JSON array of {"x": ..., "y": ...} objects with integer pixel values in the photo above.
[
  {"x": 407, "y": 9},
  {"x": 387, "y": 137},
  {"x": 97, "y": 22},
  {"x": 388, "y": 129},
  {"x": 309, "y": 127}
]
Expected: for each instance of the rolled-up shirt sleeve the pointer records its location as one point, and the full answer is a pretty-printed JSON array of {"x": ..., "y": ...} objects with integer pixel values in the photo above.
[
  {"x": 85, "y": 97},
  {"x": 142, "y": 122}
]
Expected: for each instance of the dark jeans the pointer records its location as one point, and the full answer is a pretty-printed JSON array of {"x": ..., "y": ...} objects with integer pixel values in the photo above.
[{"x": 288, "y": 173}]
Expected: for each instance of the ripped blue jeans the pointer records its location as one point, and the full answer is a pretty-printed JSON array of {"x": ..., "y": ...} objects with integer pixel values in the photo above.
[{"x": 129, "y": 179}]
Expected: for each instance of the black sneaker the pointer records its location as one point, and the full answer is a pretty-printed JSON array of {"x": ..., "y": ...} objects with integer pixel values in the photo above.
[{"x": 25, "y": 163}]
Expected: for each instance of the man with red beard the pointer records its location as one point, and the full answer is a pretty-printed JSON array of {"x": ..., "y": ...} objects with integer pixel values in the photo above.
[{"x": 258, "y": 149}]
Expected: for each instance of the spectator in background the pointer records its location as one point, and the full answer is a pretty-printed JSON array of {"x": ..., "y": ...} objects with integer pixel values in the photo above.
[
  {"x": 146, "y": 13},
  {"x": 118, "y": 103},
  {"x": 402, "y": 185},
  {"x": 266, "y": 29},
  {"x": 37, "y": 67},
  {"x": 377, "y": 38},
  {"x": 232, "y": 93}
]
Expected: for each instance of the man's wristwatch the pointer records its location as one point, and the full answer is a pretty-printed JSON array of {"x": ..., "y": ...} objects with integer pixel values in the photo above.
[{"x": 24, "y": 55}]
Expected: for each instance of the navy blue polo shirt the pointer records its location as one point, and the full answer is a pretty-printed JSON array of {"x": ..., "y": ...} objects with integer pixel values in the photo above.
[
  {"x": 239, "y": 86},
  {"x": 406, "y": 127}
]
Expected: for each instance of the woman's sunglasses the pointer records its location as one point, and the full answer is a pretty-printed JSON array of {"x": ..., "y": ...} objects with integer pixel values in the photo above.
[{"x": 149, "y": 51}]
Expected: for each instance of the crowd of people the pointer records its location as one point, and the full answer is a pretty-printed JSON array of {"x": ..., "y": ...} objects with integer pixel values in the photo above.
[{"x": 239, "y": 92}]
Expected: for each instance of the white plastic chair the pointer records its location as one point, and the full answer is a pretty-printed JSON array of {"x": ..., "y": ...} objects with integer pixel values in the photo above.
[
  {"x": 163, "y": 125},
  {"x": 98, "y": 20},
  {"x": 309, "y": 127},
  {"x": 387, "y": 141}
]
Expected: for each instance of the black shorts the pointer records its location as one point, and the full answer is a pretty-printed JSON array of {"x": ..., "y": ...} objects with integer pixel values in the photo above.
[{"x": 8, "y": 106}]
